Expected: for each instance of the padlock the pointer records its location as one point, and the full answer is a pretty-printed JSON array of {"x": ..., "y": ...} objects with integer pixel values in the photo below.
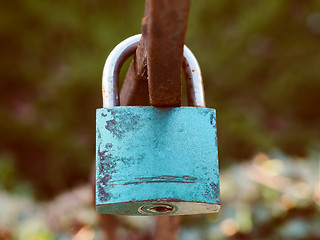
[{"x": 155, "y": 161}]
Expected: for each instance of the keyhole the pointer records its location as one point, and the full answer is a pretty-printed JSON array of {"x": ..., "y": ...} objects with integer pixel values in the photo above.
[
  {"x": 161, "y": 209},
  {"x": 157, "y": 208}
]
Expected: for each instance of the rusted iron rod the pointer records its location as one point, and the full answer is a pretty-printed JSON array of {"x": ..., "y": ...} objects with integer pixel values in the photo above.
[
  {"x": 134, "y": 90},
  {"x": 167, "y": 227},
  {"x": 156, "y": 68},
  {"x": 166, "y": 23}
]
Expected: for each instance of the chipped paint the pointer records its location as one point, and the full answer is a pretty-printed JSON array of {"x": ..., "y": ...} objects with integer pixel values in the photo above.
[{"x": 147, "y": 154}]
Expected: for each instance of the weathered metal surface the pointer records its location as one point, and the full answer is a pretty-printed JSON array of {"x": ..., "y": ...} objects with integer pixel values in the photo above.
[
  {"x": 158, "y": 58},
  {"x": 149, "y": 155},
  {"x": 166, "y": 26},
  {"x": 134, "y": 90}
]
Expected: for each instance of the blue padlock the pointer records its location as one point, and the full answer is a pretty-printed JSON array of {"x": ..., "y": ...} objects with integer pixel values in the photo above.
[{"x": 155, "y": 161}]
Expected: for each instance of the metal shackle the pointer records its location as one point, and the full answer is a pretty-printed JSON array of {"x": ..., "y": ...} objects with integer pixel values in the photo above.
[{"x": 115, "y": 60}]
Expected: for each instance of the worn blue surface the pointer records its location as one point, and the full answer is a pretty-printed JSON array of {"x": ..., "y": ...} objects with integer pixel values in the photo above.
[{"x": 147, "y": 154}]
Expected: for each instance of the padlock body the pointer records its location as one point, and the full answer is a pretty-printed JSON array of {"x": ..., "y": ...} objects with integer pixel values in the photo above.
[{"x": 156, "y": 161}]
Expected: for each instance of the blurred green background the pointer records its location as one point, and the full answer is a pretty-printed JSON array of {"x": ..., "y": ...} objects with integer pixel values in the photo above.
[{"x": 260, "y": 62}]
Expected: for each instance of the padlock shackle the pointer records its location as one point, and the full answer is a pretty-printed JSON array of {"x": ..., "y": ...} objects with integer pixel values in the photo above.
[
  {"x": 194, "y": 79},
  {"x": 115, "y": 60},
  {"x": 111, "y": 70}
]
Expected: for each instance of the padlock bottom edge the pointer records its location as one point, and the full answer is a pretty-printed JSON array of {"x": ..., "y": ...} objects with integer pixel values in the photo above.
[{"x": 157, "y": 208}]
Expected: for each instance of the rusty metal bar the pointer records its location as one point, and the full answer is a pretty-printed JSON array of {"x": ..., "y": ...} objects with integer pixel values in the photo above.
[
  {"x": 154, "y": 76},
  {"x": 134, "y": 90},
  {"x": 166, "y": 23},
  {"x": 167, "y": 228}
]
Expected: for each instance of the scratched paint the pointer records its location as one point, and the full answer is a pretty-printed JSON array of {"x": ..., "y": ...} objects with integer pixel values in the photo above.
[{"x": 157, "y": 155}]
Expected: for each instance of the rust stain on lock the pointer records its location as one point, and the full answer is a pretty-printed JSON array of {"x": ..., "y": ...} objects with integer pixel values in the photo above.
[{"x": 158, "y": 179}]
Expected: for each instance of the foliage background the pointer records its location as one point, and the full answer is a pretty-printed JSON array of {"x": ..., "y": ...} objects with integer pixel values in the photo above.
[{"x": 260, "y": 61}]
